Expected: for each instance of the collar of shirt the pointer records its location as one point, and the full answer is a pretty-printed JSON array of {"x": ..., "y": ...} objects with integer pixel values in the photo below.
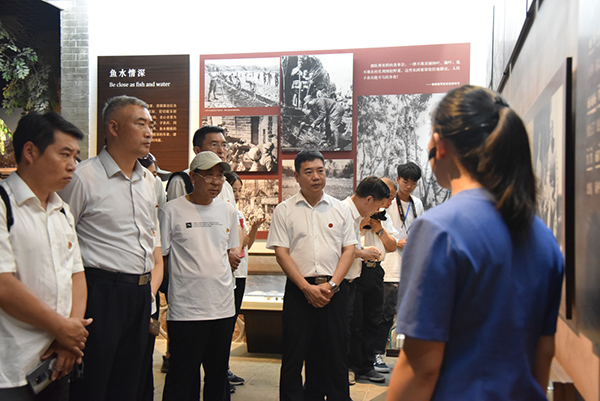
[
  {"x": 354, "y": 210},
  {"x": 23, "y": 193},
  {"x": 113, "y": 168},
  {"x": 301, "y": 198}
]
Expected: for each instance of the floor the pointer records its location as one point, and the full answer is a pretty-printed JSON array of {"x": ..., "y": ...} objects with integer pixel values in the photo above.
[{"x": 261, "y": 372}]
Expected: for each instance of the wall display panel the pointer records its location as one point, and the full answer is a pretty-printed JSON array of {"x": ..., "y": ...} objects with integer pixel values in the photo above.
[
  {"x": 316, "y": 107},
  {"x": 550, "y": 133},
  {"x": 243, "y": 82},
  {"x": 252, "y": 140},
  {"x": 587, "y": 203},
  {"x": 163, "y": 83},
  {"x": 259, "y": 198},
  {"x": 339, "y": 175},
  {"x": 343, "y": 76},
  {"x": 393, "y": 130}
]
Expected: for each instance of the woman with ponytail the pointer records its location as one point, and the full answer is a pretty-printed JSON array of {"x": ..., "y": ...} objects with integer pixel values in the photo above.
[{"x": 481, "y": 274}]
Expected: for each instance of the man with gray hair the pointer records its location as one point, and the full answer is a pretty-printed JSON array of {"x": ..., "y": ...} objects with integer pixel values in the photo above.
[{"x": 113, "y": 200}]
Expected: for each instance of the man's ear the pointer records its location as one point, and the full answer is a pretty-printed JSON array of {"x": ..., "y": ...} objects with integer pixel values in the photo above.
[
  {"x": 296, "y": 175},
  {"x": 113, "y": 128},
  {"x": 196, "y": 149},
  {"x": 30, "y": 152}
]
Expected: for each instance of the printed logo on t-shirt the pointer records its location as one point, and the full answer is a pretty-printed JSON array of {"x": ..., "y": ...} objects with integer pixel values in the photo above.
[{"x": 202, "y": 224}]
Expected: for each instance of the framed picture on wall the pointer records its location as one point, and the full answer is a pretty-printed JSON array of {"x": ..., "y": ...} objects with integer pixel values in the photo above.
[
  {"x": 316, "y": 104},
  {"x": 548, "y": 123},
  {"x": 252, "y": 141}
]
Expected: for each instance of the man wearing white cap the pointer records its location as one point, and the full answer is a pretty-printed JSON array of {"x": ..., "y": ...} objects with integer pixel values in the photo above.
[{"x": 199, "y": 231}]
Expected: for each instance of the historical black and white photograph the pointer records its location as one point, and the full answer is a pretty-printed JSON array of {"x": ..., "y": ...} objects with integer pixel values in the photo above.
[
  {"x": 547, "y": 133},
  {"x": 245, "y": 82},
  {"x": 340, "y": 178},
  {"x": 316, "y": 104},
  {"x": 252, "y": 141},
  {"x": 259, "y": 198},
  {"x": 393, "y": 130}
]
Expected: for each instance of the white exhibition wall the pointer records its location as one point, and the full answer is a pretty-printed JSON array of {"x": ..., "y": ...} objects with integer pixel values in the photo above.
[{"x": 158, "y": 27}]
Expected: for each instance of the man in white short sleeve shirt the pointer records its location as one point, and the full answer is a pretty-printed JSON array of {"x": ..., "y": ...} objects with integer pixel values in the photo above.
[
  {"x": 402, "y": 218},
  {"x": 313, "y": 238},
  {"x": 42, "y": 283},
  {"x": 198, "y": 231}
]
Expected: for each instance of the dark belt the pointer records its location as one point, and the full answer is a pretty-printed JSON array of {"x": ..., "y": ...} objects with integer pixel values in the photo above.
[
  {"x": 371, "y": 264},
  {"x": 139, "y": 279},
  {"x": 318, "y": 279}
]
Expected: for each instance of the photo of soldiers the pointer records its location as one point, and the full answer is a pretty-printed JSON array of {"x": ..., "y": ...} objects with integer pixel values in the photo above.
[
  {"x": 252, "y": 82},
  {"x": 316, "y": 104}
]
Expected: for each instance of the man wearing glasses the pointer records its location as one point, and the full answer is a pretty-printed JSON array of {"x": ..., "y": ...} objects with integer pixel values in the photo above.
[
  {"x": 207, "y": 138},
  {"x": 199, "y": 232}
]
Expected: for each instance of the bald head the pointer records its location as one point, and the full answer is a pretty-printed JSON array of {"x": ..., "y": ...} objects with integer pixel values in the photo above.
[{"x": 393, "y": 188}]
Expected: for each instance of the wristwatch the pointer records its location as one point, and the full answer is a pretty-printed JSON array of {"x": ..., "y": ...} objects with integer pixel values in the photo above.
[
  {"x": 334, "y": 287},
  {"x": 380, "y": 233}
]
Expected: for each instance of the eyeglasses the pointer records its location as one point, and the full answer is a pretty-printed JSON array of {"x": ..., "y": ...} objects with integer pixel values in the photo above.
[
  {"x": 222, "y": 145},
  {"x": 210, "y": 178}
]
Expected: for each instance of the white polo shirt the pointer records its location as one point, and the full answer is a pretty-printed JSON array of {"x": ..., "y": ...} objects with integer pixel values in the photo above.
[
  {"x": 42, "y": 251},
  {"x": 355, "y": 268},
  {"x": 115, "y": 216},
  {"x": 315, "y": 235},
  {"x": 196, "y": 238},
  {"x": 393, "y": 260}
]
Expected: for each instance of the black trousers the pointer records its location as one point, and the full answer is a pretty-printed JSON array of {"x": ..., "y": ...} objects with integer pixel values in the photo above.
[
  {"x": 115, "y": 347},
  {"x": 318, "y": 337},
  {"x": 196, "y": 343},
  {"x": 390, "y": 303},
  {"x": 368, "y": 302}
]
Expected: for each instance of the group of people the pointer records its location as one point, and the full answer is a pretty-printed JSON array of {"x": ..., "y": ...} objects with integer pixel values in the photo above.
[{"x": 82, "y": 249}]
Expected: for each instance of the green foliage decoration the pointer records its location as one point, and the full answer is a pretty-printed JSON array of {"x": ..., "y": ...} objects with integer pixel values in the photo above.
[{"x": 27, "y": 78}]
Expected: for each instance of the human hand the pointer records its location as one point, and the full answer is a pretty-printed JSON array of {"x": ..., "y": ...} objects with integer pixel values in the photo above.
[
  {"x": 371, "y": 254},
  {"x": 402, "y": 243},
  {"x": 375, "y": 225},
  {"x": 258, "y": 222},
  {"x": 234, "y": 260},
  {"x": 315, "y": 294},
  {"x": 72, "y": 334},
  {"x": 64, "y": 362}
]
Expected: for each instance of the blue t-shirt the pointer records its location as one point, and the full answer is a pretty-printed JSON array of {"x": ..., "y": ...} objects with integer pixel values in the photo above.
[{"x": 487, "y": 295}]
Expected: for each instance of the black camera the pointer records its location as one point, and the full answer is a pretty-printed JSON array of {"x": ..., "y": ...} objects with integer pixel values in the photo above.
[{"x": 380, "y": 215}]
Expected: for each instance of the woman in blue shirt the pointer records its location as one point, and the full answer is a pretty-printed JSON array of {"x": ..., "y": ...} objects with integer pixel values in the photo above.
[{"x": 481, "y": 274}]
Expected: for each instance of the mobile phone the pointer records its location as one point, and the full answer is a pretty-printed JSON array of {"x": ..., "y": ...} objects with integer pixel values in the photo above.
[{"x": 41, "y": 376}]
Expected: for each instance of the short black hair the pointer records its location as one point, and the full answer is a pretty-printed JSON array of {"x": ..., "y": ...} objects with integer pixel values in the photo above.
[
  {"x": 307, "y": 156},
  {"x": 117, "y": 103},
  {"x": 231, "y": 177},
  {"x": 201, "y": 133},
  {"x": 373, "y": 186},
  {"x": 409, "y": 171},
  {"x": 40, "y": 128}
]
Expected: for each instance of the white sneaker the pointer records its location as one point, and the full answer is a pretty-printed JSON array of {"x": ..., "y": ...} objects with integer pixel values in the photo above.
[{"x": 380, "y": 364}]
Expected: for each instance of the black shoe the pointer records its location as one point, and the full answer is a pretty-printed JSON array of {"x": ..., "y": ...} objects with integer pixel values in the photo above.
[
  {"x": 373, "y": 376},
  {"x": 231, "y": 388},
  {"x": 165, "y": 366},
  {"x": 234, "y": 380}
]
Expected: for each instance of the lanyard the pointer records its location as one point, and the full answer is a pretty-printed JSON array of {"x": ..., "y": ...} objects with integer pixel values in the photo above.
[{"x": 402, "y": 215}]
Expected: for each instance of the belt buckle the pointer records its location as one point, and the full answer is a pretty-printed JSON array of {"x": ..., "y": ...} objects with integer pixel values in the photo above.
[
  {"x": 144, "y": 279},
  {"x": 320, "y": 280},
  {"x": 371, "y": 264}
]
